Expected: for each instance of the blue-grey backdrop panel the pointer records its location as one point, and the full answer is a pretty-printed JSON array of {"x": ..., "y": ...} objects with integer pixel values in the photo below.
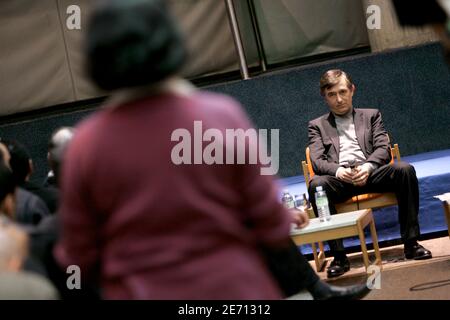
[{"x": 410, "y": 86}]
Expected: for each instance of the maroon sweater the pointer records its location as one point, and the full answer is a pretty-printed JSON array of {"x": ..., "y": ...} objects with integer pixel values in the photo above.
[{"x": 149, "y": 229}]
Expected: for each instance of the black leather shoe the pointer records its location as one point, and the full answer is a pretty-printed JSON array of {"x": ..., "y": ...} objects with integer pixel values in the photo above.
[
  {"x": 355, "y": 292},
  {"x": 338, "y": 267},
  {"x": 417, "y": 252}
]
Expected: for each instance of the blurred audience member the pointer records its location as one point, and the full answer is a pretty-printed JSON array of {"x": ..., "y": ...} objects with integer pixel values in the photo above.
[
  {"x": 14, "y": 282},
  {"x": 7, "y": 190},
  {"x": 57, "y": 146},
  {"x": 30, "y": 209},
  {"x": 44, "y": 236},
  {"x": 5, "y": 157},
  {"x": 22, "y": 167},
  {"x": 13, "y": 246}
]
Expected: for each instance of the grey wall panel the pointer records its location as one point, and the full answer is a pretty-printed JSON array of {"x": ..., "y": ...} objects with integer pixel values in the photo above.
[
  {"x": 205, "y": 26},
  {"x": 410, "y": 86},
  {"x": 34, "y": 71},
  {"x": 41, "y": 60},
  {"x": 297, "y": 28}
]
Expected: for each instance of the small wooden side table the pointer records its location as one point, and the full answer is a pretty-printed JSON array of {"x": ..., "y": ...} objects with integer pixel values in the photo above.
[{"x": 341, "y": 225}]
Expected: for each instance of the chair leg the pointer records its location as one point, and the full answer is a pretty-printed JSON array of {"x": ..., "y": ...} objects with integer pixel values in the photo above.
[
  {"x": 362, "y": 239},
  {"x": 316, "y": 258},
  {"x": 321, "y": 248},
  {"x": 376, "y": 248},
  {"x": 319, "y": 259},
  {"x": 322, "y": 257}
]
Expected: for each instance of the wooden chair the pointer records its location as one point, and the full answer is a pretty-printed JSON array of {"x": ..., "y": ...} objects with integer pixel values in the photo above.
[{"x": 359, "y": 202}]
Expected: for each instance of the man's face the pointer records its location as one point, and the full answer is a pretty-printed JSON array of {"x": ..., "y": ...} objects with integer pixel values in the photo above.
[{"x": 340, "y": 97}]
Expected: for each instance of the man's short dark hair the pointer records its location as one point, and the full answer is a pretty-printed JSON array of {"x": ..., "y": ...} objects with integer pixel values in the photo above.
[
  {"x": 132, "y": 43},
  {"x": 332, "y": 78}
]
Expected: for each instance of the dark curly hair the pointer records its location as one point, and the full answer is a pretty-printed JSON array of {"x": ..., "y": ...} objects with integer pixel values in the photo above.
[{"x": 132, "y": 43}]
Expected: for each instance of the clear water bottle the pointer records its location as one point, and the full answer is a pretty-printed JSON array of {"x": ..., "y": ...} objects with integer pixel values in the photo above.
[
  {"x": 298, "y": 201},
  {"x": 322, "y": 205},
  {"x": 287, "y": 199}
]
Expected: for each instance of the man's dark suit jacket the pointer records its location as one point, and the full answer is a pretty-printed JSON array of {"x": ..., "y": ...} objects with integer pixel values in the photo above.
[{"x": 324, "y": 140}]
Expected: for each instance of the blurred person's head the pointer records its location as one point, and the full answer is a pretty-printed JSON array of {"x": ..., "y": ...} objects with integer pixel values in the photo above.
[
  {"x": 13, "y": 246},
  {"x": 5, "y": 157},
  {"x": 132, "y": 43},
  {"x": 7, "y": 192},
  {"x": 57, "y": 146},
  {"x": 20, "y": 160}
]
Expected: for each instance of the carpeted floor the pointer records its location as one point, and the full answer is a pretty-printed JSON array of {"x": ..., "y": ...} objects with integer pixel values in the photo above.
[{"x": 429, "y": 279}]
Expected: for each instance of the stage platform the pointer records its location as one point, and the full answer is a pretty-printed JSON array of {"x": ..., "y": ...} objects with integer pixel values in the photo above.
[{"x": 433, "y": 172}]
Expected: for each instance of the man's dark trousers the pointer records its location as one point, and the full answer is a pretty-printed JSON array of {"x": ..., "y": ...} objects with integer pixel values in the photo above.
[{"x": 399, "y": 178}]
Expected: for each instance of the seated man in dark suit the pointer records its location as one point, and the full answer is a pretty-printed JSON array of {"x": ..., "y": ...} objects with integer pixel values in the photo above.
[{"x": 345, "y": 136}]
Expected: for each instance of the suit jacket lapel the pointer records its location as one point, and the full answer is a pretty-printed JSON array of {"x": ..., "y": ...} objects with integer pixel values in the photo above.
[
  {"x": 332, "y": 132},
  {"x": 358, "y": 119}
]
